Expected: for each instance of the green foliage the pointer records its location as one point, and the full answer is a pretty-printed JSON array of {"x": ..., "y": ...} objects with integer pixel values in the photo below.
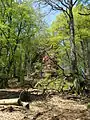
[
  {"x": 25, "y": 39},
  {"x": 88, "y": 106},
  {"x": 19, "y": 38}
]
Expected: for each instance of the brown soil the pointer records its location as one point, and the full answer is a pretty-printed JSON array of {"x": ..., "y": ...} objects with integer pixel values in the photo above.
[{"x": 52, "y": 108}]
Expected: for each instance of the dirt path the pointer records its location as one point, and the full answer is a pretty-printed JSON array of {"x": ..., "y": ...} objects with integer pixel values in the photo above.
[{"x": 54, "y": 108}]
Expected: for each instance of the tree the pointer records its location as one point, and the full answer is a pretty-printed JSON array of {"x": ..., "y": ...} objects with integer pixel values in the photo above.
[
  {"x": 85, "y": 11},
  {"x": 18, "y": 28},
  {"x": 60, "y": 40},
  {"x": 66, "y": 6}
]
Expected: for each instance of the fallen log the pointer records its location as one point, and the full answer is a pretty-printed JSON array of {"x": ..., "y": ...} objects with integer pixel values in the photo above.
[{"x": 14, "y": 101}]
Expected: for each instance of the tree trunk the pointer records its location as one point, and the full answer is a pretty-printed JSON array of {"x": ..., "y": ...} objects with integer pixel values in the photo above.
[
  {"x": 20, "y": 70},
  {"x": 14, "y": 68},
  {"x": 88, "y": 64},
  {"x": 84, "y": 54},
  {"x": 72, "y": 41},
  {"x": 25, "y": 63}
]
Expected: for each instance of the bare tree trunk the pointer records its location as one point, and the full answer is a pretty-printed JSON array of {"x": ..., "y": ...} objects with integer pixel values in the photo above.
[{"x": 72, "y": 41}]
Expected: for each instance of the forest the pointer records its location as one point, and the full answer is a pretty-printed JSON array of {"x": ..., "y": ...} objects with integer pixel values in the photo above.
[{"x": 42, "y": 60}]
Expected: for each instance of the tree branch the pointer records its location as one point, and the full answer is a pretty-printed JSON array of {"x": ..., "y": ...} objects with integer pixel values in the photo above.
[
  {"x": 85, "y": 14},
  {"x": 64, "y": 4},
  {"x": 54, "y": 5},
  {"x": 75, "y": 2}
]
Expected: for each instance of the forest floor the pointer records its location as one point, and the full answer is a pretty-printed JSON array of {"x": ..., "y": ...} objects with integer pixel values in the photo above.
[{"x": 53, "y": 107}]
